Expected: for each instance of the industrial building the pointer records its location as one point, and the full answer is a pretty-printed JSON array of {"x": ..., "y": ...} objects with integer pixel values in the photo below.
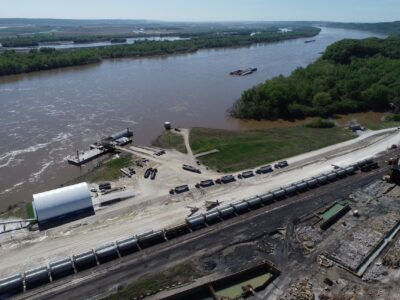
[{"x": 62, "y": 205}]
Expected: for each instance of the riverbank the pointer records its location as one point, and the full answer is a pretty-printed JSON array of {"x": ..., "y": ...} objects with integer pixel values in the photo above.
[{"x": 48, "y": 58}]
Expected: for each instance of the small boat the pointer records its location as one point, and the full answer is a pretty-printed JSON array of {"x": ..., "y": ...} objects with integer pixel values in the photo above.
[{"x": 309, "y": 41}]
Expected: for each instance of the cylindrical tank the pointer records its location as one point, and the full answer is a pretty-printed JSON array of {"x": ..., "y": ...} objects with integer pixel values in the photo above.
[
  {"x": 106, "y": 253},
  {"x": 11, "y": 286},
  {"x": 350, "y": 170},
  {"x": 312, "y": 183},
  {"x": 127, "y": 246},
  {"x": 322, "y": 179},
  {"x": 151, "y": 239},
  {"x": 241, "y": 207},
  {"x": 290, "y": 190},
  {"x": 85, "y": 260},
  {"x": 267, "y": 198},
  {"x": 332, "y": 176},
  {"x": 279, "y": 194},
  {"x": 226, "y": 212},
  {"x": 62, "y": 268},
  {"x": 212, "y": 217},
  {"x": 301, "y": 186},
  {"x": 36, "y": 277},
  {"x": 196, "y": 222},
  {"x": 254, "y": 202}
]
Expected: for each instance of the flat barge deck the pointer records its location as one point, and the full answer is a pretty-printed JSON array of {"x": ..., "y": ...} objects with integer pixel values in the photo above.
[
  {"x": 85, "y": 156},
  {"x": 102, "y": 147}
]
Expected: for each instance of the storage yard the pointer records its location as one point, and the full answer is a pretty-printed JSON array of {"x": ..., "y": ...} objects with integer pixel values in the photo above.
[{"x": 252, "y": 220}]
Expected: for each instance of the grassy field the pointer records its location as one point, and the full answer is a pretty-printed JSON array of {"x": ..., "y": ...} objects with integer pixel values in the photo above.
[
  {"x": 110, "y": 170},
  {"x": 246, "y": 149},
  {"x": 170, "y": 140},
  {"x": 182, "y": 273}
]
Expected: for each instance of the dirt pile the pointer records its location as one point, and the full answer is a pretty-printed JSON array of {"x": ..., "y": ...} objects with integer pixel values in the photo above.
[{"x": 300, "y": 290}]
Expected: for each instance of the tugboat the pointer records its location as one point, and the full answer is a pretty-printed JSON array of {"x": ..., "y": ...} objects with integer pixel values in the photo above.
[{"x": 243, "y": 72}]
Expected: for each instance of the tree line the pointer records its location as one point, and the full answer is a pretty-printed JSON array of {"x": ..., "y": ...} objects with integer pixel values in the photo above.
[
  {"x": 351, "y": 76},
  {"x": 12, "y": 62}
]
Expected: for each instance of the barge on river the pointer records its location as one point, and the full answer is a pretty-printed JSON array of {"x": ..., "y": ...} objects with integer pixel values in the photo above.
[
  {"x": 243, "y": 72},
  {"x": 101, "y": 147}
]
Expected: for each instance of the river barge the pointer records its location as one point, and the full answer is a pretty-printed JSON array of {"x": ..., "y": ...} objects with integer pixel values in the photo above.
[
  {"x": 243, "y": 72},
  {"x": 104, "y": 146}
]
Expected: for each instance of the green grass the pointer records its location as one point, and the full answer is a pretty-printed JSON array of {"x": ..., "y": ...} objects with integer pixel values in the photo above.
[
  {"x": 170, "y": 140},
  {"x": 30, "y": 214},
  {"x": 249, "y": 148},
  {"x": 151, "y": 284},
  {"x": 110, "y": 170}
]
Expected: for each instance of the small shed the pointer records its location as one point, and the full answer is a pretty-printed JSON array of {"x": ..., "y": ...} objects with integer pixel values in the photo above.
[{"x": 62, "y": 205}]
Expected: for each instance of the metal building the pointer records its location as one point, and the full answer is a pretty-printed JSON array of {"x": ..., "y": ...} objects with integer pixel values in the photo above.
[
  {"x": 123, "y": 133},
  {"x": 62, "y": 205}
]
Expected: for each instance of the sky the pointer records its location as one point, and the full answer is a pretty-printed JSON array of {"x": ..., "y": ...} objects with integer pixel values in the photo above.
[{"x": 206, "y": 10}]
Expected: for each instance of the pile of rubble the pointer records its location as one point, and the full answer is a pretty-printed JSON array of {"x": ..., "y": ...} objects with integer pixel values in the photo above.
[
  {"x": 265, "y": 246},
  {"x": 376, "y": 272},
  {"x": 392, "y": 258},
  {"x": 301, "y": 290},
  {"x": 308, "y": 236}
]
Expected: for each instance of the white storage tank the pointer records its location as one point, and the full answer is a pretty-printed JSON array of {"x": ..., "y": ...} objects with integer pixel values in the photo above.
[{"x": 62, "y": 205}]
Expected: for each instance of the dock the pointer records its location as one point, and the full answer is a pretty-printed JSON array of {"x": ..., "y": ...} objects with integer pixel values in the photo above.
[
  {"x": 104, "y": 146},
  {"x": 83, "y": 157}
]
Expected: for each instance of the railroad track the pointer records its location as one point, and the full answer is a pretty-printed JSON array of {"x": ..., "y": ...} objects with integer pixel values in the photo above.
[{"x": 334, "y": 190}]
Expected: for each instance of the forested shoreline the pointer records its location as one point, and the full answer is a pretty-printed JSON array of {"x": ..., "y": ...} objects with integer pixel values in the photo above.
[
  {"x": 49, "y": 58},
  {"x": 351, "y": 76}
]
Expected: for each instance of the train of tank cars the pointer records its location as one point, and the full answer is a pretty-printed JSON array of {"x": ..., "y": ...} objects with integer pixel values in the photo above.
[{"x": 114, "y": 250}]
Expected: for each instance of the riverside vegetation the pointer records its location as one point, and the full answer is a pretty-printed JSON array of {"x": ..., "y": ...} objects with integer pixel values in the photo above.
[
  {"x": 351, "y": 76},
  {"x": 48, "y": 58}
]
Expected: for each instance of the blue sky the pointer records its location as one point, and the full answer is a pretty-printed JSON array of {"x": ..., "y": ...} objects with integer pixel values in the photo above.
[{"x": 206, "y": 10}]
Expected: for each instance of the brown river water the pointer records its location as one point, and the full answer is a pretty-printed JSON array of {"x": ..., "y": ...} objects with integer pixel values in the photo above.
[{"x": 46, "y": 116}]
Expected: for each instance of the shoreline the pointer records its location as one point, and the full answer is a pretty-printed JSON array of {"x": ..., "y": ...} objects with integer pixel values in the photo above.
[{"x": 193, "y": 49}]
